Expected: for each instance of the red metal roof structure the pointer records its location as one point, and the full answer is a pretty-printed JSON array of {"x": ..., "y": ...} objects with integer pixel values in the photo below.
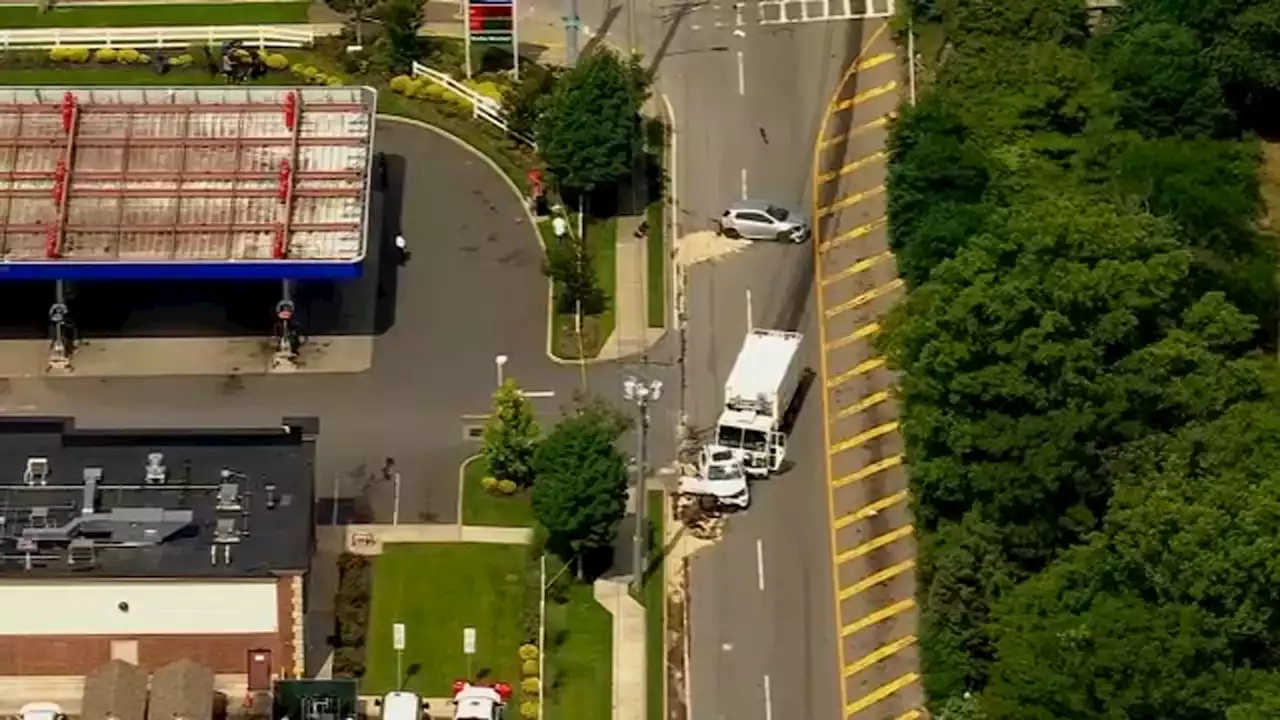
[{"x": 184, "y": 175}]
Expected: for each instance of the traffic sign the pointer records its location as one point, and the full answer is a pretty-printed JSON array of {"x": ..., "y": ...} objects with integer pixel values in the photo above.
[
  {"x": 397, "y": 636},
  {"x": 469, "y": 641}
]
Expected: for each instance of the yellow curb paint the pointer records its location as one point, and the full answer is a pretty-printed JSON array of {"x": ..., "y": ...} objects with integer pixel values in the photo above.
[
  {"x": 863, "y": 332},
  {"x": 818, "y": 145},
  {"x": 879, "y": 654},
  {"x": 857, "y": 232},
  {"x": 871, "y": 509},
  {"x": 865, "y": 298},
  {"x": 875, "y": 543},
  {"x": 873, "y": 61},
  {"x": 861, "y": 266},
  {"x": 866, "y": 96},
  {"x": 880, "y": 693},
  {"x": 871, "y": 581},
  {"x": 854, "y": 166},
  {"x": 849, "y": 201},
  {"x": 878, "y": 466},
  {"x": 859, "y": 130},
  {"x": 862, "y": 369},
  {"x": 865, "y": 437},
  {"x": 871, "y": 400},
  {"x": 878, "y": 616}
]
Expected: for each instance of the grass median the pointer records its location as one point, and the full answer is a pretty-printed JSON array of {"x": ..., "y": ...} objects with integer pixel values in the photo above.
[
  {"x": 602, "y": 245},
  {"x": 128, "y": 16},
  {"x": 485, "y": 507},
  {"x": 654, "y": 598},
  {"x": 579, "y": 654}
]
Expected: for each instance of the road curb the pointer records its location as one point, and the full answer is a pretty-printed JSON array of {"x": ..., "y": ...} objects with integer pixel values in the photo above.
[{"x": 462, "y": 482}]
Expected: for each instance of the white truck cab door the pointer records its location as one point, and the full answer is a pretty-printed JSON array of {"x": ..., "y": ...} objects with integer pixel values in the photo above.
[{"x": 777, "y": 451}]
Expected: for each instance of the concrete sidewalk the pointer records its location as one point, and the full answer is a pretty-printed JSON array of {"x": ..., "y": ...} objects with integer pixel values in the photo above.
[
  {"x": 631, "y": 332},
  {"x": 629, "y": 691}
]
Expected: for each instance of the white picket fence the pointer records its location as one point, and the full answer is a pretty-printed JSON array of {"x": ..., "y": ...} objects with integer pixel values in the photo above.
[
  {"x": 262, "y": 36},
  {"x": 482, "y": 107}
]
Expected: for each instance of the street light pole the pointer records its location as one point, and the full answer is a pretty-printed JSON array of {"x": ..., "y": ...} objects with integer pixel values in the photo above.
[
  {"x": 499, "y": 361},
  {"x": 641, "y": 393}
]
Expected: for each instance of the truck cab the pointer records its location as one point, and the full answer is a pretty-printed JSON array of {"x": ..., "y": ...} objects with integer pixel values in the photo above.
[
  {"x": 754, "y": 441},
  {"x": 719, "y": 475},
  {"x": 479, "y": 702}
]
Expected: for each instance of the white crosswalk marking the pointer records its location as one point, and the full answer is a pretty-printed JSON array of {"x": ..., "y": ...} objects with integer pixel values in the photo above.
[{"x": 786, "y": 12}]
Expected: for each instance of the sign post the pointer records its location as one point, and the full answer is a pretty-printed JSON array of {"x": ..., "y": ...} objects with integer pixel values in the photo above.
[
  {"x": 397, "y": 643},
  {"x": 492, "y": 22},
  {"x": 469, "y": 647}
]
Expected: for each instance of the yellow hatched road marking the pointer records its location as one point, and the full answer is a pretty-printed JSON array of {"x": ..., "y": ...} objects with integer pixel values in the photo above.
[
  {"x": 850, "y": 201},
  {"x": 866, "y": 95},
  {"x": 892, "y": 461},
  {"x": 860, "y": 231},
  {"x": 876, "y": 156},
  {"x": 875, "y": 543},
  {"x": 865, "y": 437},
  {"x": 871, "y": 581},
  {"x": 864, "y": 331},
  {"x": 864, "y": 298},
  {"x": 880, "y": 693},
  {"x": 860, "y": 266},
  {"x": 862, "y": 369},
  {"x": 873, "y": 61},
  {"x": 879, "y": 654},
  {"x": 871, "y": 509},
  {"x": 865, "y": 127},
  {"x": 873, "y": 399},
  {"x": 910, "y": 715},
  {"x": 878, "y": 616}
]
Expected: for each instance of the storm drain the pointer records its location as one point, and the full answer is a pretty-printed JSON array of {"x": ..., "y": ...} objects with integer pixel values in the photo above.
[{"x": 472, "y": 432}]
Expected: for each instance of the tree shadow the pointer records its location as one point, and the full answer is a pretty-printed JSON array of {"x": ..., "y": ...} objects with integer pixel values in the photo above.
[
  {"x": 601, "y": 32},
  {"x": 683, "y": 10}
]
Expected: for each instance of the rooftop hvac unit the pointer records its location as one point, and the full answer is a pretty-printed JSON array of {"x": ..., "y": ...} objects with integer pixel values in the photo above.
[
  {"x": 228, "y": 496},
  {"x": 157, "y": 473},
  {"x": 37, "y": 472},
  {"x": 226, "y": 532}
]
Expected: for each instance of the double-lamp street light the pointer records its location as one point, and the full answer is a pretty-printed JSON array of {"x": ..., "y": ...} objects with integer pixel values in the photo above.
[{"x": 641, "y": 392}]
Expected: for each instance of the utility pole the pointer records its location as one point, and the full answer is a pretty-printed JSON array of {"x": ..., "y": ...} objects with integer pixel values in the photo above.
[
  {"x": 571, "y": 25},
  {"x": 640, "y": 392}
]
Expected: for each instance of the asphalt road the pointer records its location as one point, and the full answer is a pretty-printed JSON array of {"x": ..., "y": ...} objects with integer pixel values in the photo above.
[{"x": 748, "y": 101}]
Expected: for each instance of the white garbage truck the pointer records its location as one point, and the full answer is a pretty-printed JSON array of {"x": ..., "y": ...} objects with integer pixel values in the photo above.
[{"x": 750, "y": 438}]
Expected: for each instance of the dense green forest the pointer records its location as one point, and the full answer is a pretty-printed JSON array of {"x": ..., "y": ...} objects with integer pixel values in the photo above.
[{"x": 1089, "y": 400}]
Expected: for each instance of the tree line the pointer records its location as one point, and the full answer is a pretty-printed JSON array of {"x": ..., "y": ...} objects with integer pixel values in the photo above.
[{"x": 1088, "y": 404}]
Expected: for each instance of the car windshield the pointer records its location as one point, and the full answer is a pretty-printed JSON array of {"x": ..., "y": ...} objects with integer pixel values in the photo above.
[
  {"x": 721, "y": 472},
  {"x": 778, "y": 213}
]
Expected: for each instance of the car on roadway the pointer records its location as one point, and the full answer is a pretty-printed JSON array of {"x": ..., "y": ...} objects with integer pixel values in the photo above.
[{"x": 760, "y": 220}]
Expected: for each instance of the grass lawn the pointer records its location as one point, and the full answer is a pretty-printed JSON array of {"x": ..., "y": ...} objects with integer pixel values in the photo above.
[
  {"x": 436, "y": 591},
  {"x": 579, "y": 656},
  {"x": 655, "y": 599},
  {"x": 655, "y": 214},
  {"x": 116, "y": 16},
  {"x": 602, "y": 241},
  {"x": 480, "y": 507}
]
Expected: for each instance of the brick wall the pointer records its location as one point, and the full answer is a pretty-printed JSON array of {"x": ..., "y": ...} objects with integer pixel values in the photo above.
[{"x": 80, "y": 655}]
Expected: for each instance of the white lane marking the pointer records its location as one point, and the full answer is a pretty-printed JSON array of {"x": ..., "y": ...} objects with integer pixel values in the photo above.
[
  {"x": 768, "y": 700},
  {"x": 760, "y": 564},
  {"x": 737, "y": 16},
  {"x": 744, "y": 183},
  {"x": 695, "y": 27},
  {"x": 742, "y": 74},
  {"x": 535, "y": 394},
  {"x": 719, "y": 24}
]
